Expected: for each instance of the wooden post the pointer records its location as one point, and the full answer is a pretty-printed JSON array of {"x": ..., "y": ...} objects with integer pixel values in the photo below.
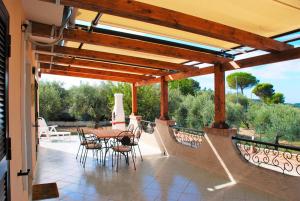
[
  {"x": 164, "y": 107},
  {"x": 134, "y": 99},
  {"x": 220, "y": 110}
]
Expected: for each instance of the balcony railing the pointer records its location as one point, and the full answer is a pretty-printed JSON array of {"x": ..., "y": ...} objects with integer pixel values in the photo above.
[
  {"x": 188, "y": 137},
  {"x": 277, "y": 157},
  {"x": 148, "y": 126}
]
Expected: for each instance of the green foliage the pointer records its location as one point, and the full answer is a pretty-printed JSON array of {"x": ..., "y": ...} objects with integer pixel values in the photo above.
[
  {"x": 235, "y": 114},
  {"x": 89, "y": 103},
  {"x": 237, "y": 98},
  {"x": 278, "y": 98},
  {"x": 52, "y": 100},
  {"x": 149, "y": 102},
  {"x": 272, "y": 120},
  {"x": 175, "y": 101},
  {"x": 195, "y": 111},
  {"x": 264, "y": 91},
  {"x": 241, "y": 80},
  {"x": 185, "y": 86}
]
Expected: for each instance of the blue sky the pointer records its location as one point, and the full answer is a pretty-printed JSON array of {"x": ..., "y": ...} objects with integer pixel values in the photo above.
[{"x": 285, "y": 76}]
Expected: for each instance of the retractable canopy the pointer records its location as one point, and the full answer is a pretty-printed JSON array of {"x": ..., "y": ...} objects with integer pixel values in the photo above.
[{"x": 141, "y": 41}]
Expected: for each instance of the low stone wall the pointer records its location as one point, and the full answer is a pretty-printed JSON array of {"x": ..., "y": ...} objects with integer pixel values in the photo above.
[
  {"x": 219, "y": 141},
  {"x": 77, "y": 123}
]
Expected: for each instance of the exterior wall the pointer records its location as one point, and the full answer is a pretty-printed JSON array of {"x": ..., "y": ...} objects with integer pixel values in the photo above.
[
  {"x": 278, "y": 184},
  {"x": 16, "y": 64}
]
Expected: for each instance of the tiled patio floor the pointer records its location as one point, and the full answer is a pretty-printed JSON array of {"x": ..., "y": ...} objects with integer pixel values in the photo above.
[{"x": 157, "y": 178}]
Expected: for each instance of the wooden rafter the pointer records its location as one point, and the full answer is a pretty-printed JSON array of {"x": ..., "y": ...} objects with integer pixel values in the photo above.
[
  {"x": 86, "y": 75},
  {"x": 101, "y": 39},
  {"x": 244, "y": 63},
  {"x": 69, "y": 51},
  {"x": 93, "y": 71},
  {"x": 99, "y": 65},
  {"x": 160, "y": 16},
  {"x": 179, "y": 76},
  {"x": 266, "y": 59}
]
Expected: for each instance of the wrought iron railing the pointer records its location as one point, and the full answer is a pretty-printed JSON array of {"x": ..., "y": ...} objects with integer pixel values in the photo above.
[
  {"x": 188, "y": 137},
  {"x": 148, "y": 126},
  {"x": 277, "y": 157}
]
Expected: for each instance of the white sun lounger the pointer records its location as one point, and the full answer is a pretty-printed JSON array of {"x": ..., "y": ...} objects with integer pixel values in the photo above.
[{"x": 50, "y": 131}]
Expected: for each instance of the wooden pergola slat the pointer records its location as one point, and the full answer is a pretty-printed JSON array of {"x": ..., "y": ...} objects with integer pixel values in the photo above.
[
  {"x": 244, "y": 63},
  {"x": 266, "y": 59},
  {"x": 69, "y": 51},
  {"x": 93, "y": 71},
  {"x": 99, "y": 65},
  {"x": 101, "y": 39},
  {"x": 164, "y": 17},
  {"x": 179, "y": 76},
  {"x": 86, "y": 75}
]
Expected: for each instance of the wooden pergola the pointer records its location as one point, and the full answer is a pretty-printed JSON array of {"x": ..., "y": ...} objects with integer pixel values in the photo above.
[{"x": 140, "y": 71}]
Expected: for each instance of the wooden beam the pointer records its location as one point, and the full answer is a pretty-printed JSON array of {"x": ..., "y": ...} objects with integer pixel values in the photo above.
[
  {"x": 164, "y": 17},
  {"x": 129, "y": 44},
  {"x": 164, "y": 99},
  {"x": 69, "y": 51},
  {"x": 179, "y": 76},
  {"x": 220, "y": 108},
  {"x": 266, "y": 59},
  {"x": 244, "y": 63},
  {"x": 134, "y": 99},
  {"x": 85, "y": 75},
  {"x": 93, "y": 71},
  {"x": 100, "y": 65}
]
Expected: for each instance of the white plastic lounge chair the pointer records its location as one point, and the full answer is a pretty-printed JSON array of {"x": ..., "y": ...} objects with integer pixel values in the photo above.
[{"x": 50, "y": 131}]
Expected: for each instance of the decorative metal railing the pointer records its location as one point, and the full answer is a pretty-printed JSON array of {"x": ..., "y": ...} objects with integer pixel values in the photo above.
[
  {"x": 277, "y": 157},
  {"x": 148, "y": 126},
  {"x": 188, "y": 137}
]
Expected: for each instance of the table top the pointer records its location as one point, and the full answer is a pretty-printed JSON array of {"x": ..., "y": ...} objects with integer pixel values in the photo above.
[{"x": 104, "y": 133}]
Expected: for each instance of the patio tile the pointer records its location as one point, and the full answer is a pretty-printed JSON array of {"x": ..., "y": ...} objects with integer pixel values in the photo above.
[{"x": 157, "y": 178}]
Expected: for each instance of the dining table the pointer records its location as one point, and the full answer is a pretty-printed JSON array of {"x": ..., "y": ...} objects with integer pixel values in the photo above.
[{"x": 106, "y": 135}]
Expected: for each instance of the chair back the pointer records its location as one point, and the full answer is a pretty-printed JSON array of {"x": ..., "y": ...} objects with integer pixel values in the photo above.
[
  {"x": 130, "y": 127},
  {"x": 79, "y": 134},
  {"x": 137, "y": 132},
  {"x": 125, "y": 138},
  {"x": 43, "y": 127}
]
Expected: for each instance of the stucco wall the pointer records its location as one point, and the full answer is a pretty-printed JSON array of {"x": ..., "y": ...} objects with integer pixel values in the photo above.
[
  {"x": 16, "y": 13},
  {"x": 278, "y": 184}
]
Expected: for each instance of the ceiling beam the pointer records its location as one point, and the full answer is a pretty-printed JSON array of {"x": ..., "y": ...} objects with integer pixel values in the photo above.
[
  {"x": 100, "y": 65},
  {"x": 244, "y": 63},
  {"x": 164, "y": 17},
  {"x": 101, "y": 39},
  {"x": 86, "y": 75},
  {"x": 178, "y": 76},
  {"x": 93, "y": 71},
  {"x": 69, "y": 51},
  {"x": 266, "y": 59}
]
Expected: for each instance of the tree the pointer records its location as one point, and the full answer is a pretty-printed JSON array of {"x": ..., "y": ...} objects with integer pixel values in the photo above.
[
  {"x": 264, "y": 91},
  {"x": 241, "y": 80},
  {"x": 278, "y": 98},
  {"x": 52, "y": 100},
  {"x": 89, "y": 103},
  {"x": 186, "y": 86}
]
